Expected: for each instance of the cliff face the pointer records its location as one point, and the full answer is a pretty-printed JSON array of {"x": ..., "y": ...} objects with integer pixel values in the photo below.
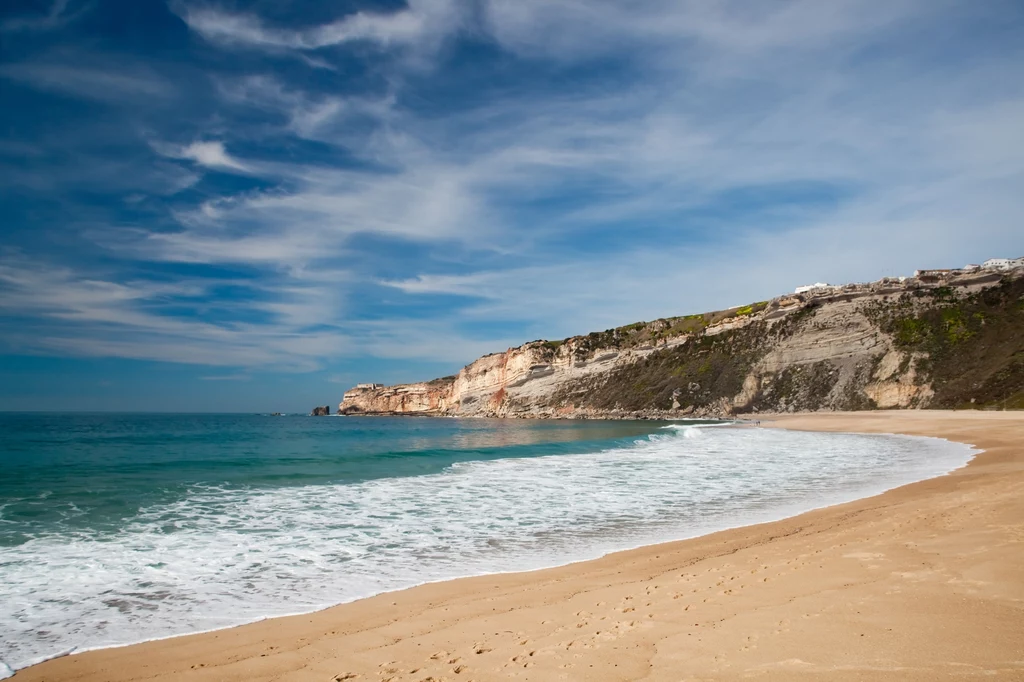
[{"x": 945, "y": 339}]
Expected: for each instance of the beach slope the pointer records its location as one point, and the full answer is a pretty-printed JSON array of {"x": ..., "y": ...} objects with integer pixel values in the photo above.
[{"x": 924, "y": 582}]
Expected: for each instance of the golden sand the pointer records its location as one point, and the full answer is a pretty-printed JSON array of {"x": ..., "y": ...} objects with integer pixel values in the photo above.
[{"x": 924, "y": 582}]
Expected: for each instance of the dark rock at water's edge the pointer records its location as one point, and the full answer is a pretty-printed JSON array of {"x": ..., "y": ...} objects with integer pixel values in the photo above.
[{"x": 321, "y": 411}]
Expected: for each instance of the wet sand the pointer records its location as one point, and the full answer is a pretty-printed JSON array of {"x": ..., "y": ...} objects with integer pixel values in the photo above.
[{"x": 924, "y": 582}]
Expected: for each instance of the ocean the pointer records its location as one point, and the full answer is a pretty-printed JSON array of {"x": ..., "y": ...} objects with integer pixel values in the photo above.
[{"x": 119, "y": 528}]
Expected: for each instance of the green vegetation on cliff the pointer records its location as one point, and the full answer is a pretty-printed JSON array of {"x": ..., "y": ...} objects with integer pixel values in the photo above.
[
  {"x": 974, "y": 344},
  {"x": 697, "y": 374},
  {"x": 968, "y": 347},
  {"x": 887, "y": 344},
  {"x": 639, "y": 334}
]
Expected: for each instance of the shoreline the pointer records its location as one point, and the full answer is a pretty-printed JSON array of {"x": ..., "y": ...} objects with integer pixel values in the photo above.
[
  {"x": 253, "y": 656},
  {"x": 773, "y": 516}
]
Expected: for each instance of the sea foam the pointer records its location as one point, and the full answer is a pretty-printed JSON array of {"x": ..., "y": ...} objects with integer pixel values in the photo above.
[{"x": 225, "y": 556}]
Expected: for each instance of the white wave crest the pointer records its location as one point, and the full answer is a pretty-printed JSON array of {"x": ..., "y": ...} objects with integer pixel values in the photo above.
[{"x": 219, "y": 557}]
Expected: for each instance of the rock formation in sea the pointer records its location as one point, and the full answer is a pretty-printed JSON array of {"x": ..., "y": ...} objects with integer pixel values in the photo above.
[
  {"x": 321, "y": 411},
  {"x": 940, "y": 339}
]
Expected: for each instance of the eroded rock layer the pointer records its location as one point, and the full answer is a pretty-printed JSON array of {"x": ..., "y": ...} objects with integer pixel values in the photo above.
[{"x": 944, "y": 339}]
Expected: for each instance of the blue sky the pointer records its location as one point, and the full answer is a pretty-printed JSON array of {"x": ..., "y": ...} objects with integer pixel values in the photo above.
[{"x": 251, "y": 206}]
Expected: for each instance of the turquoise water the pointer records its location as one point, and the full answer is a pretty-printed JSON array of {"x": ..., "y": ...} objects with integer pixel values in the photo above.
[
  {"x": 121, "y": 528},
  {"x": 93, "y": 472}
]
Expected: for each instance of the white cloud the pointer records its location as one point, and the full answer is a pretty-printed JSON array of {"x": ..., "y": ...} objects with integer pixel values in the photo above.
[
  {"x": 396, "y": 28},
  {"x": 663, "y": 155},
  {"x": 475, "y": 285},
  {"x": 56, "y": 17},
  {"x": 578, "y": 29},
  {"x": 92, "y": 314},
  {"x": 109, "y": 82},
  {"x": 321, "y": 117},
  {"x": 210, "y": 154},
  {"x": 292, "y": 325},
  {"x": 319, "y": 216},
  {"x": 661, "y": 189}
]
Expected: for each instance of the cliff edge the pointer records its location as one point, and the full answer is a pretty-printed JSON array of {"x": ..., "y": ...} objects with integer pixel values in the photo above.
[{"x": 943, "y": 338}]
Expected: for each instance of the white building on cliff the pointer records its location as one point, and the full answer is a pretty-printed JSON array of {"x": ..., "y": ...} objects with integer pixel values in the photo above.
[{"x": 812, "y": 287}]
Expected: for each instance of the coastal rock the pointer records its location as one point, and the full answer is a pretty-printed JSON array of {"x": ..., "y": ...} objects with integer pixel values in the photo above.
[
  {"x": 895, "y": 343},
  {"x": 321, "y": 411},
  {"x": 428, "y": 398}
]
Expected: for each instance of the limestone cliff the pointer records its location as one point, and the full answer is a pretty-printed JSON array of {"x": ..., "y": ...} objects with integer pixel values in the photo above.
[{"x": 939, "y": 339}]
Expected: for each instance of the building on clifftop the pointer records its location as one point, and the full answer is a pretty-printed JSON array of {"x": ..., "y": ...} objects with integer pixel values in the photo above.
[
  {"x": 812, "y": 287},
  {"x": 933, "y": 275}
]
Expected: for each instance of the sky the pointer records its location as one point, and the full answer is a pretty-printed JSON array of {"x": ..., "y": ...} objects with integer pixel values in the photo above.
[{"x": 251, "y": 206}]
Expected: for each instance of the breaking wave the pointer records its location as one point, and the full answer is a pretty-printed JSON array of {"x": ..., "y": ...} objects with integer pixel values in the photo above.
[{"x": 221, "y": 556}]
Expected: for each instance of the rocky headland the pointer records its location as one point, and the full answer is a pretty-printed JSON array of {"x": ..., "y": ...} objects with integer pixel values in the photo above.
[{"x": 939, "y": 339}]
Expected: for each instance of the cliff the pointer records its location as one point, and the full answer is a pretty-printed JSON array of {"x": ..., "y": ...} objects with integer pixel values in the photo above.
[{"x": 939, "y": 339}]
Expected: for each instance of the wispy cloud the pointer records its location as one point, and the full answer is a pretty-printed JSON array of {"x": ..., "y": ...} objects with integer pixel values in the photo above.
[
  {"x": 210, "y": 154},
  {"x": 90, "y": 314},
  {"x": 294, "y": 326},
  {"x": 569, "y": 165},
  {"x": 577, "y": 29},
  {"x": 325, "y": 117},
  {"x": 399, "y": 27},
  {"x": 108, "y": 83},
  {"x": 60, "y": 13}
]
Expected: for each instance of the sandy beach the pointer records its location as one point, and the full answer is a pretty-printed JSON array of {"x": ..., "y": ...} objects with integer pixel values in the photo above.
[{"x": 924, "y": 582}]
